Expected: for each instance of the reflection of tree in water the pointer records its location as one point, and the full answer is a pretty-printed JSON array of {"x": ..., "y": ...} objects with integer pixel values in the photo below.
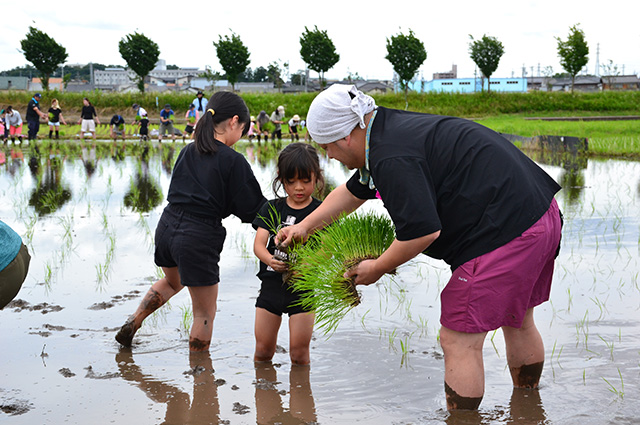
[
  {"x": 202, "y": 409},
  {"x": 49, "y": 194},
  {"x": 572, "y": 179},
  {"x": 572, "y": 182},
  {"x": 269, "y": 408},
  {"x": 267, "y": 155},
  {"x": 144, "y": 192}
]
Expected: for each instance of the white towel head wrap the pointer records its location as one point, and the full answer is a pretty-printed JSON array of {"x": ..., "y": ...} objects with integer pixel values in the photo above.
[{"x": 335, "y": 112}]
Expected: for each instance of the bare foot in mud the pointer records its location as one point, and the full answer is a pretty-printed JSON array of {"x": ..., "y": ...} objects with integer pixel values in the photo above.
[{"x": 126, "y": 333}]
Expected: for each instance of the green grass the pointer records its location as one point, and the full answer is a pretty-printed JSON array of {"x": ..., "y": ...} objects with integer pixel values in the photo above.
[{"x": 605, "y": 138}]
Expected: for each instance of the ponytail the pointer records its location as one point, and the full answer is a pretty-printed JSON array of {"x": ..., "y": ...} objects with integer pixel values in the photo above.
[{"x": 222, "y": 106}]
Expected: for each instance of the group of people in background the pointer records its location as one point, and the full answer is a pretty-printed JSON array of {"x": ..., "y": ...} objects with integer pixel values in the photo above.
[{"x": 11, "y": 123}]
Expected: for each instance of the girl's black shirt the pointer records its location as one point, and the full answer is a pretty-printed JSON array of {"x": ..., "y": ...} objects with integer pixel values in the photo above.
[
  {"x": 88, "y": 112},
  {"x": 54, "y": 114},
  {"x": 215, "y": 185},
  {"x": 447, "y": 174},
  {"x": 266, "y": 218}
]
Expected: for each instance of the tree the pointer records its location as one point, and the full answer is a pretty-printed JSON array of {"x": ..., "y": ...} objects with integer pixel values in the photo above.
[
  {"x": 141, "y": 54},
  {"x": 210, "y": 76},
  {"x": 406, "y": 54},
  {"x": 318, "y": 51},
  {"x": 233, "y": 56},
  {"x": 44, "y": 53},
  {"x": 574, "y": 52},
  {"x": 260, "y": 75},
  {"x": 275, "y": 73},
  {"x": 609, "y": 73},
  {"x": 486, "y": 54}
]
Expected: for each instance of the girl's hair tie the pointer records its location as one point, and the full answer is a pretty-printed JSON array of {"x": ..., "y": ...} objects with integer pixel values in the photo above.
[{"x": 212, "y": 111}]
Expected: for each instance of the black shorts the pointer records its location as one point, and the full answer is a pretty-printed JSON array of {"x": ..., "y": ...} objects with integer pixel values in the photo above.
[
  {"x": 191, "y": 243},
  {"x": 277, "y": 297},
  {"x": 188, "y": 129}
]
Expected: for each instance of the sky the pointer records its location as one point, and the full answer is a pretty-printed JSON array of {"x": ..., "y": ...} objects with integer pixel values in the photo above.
[{"x": 185, "y": 32}]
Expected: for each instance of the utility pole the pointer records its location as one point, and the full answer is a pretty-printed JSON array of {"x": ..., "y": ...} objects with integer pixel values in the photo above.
[{"x": 598, "y": 60}]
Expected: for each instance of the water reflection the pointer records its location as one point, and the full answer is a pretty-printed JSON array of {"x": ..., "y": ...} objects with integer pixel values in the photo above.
[
  {"x": 204, "y": 408},
  {"x": 89, "y": 160},
  {"x": 50, "y": 192},
  {"x": 573, "y": 165},
  {"x": 269, "y": 406},
  {"x": 525, "y": 408},
  {"x": 144, "y": 193}
]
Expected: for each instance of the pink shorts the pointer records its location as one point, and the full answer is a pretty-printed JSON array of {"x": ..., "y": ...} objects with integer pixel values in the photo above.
[
  {"x": 497, "y": 288},
  {"x": 15, "y": 131}
]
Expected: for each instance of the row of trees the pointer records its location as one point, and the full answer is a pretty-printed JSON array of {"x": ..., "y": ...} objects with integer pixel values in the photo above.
[{"x": 405, "y": 52}]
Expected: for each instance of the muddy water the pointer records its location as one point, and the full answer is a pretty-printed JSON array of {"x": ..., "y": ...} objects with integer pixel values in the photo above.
[{"x": 88, "y": 218}]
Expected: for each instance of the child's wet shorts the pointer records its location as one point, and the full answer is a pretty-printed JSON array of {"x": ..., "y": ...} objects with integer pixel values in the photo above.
[
  {"x": 191, "y": 243},
  {"x": 277, "y": 297},
  {"x": 497, "y": 288}
]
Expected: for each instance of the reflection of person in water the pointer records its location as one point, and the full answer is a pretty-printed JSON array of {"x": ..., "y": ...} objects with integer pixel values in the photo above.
[
  {"x": 144, "y": 193},
  {"x": 203, "y": 408},
  {"x": 525, "y": 408},
  {"x": 90, "y": 160},
  {"x": 269, "y": 408}
]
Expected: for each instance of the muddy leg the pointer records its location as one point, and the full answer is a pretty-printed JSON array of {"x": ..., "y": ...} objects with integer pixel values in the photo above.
[
  {"x": 204, "y": 302},
  {"x": 158, "y": 294},
  {"x": 525, "y": 352},
  {"x": 464, "y": 368}
]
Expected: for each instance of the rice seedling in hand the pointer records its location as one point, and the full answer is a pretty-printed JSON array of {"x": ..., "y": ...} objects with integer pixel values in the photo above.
[{"x": 318, "y": 267}]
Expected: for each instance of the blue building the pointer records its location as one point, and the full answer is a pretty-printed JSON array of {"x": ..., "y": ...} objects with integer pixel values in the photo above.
[{"x": 469, "y": 85}]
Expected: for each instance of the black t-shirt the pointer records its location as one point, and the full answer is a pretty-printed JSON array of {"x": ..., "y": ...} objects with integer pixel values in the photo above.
[
  {"x": 88, "y": 112},
  {"x": 31, "y": 114},
  {"x": 215, "y": 185},
  {"x": 54, "y": 114},
  {"x": 116, "y": 120},
  {"x": 288, "y": 216},
  {"x": 450, "y": 174}
]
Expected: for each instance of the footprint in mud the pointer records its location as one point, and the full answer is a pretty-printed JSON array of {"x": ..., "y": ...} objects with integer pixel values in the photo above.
[
  {"x": 66, "y": 372},
  {"x": 93, "y": 375},
  {"x": 240, "y": 408},
  {"x": 19, "y": 305},
  {"x": 12, "y": 406},
  {"x": 116, "y": 299}
]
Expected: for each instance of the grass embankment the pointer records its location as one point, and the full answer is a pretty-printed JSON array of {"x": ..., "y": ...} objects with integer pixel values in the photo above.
[{"x": 503, "y": 112}]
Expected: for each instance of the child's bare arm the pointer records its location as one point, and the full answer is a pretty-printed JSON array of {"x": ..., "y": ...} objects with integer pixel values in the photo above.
[{"x": 260, "y": 249}]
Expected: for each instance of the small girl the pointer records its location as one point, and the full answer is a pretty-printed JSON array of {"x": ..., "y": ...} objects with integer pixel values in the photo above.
[
  {"x": 299, "y": 173},
  {"x": 210, "y": 181},
  {"x": 55, "y": 118}
]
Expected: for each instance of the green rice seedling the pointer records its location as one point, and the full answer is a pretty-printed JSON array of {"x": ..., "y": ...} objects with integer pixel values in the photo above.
[
  {"x": 494, "y": 344},
  {"x": 613, "y": 389},
  {"x": 186, "y": 320},
  {"x": 318, "y": 267}
]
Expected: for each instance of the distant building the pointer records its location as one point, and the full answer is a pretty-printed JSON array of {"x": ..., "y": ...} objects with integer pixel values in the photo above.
[
  {"x": 469, "y": 85},
  {"x": 586, "y": 83},
  {"x": 447, "y": 75},
  {"x": 620, "y": 82},
  {"x": 14, "y": 83},
  {"x": 55, "y": 83}
]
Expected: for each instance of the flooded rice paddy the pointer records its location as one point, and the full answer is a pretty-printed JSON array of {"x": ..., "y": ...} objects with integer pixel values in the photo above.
[{"x": 88, "y": 216}]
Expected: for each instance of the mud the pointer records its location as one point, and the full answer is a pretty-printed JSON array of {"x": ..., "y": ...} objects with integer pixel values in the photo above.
[{"x": 92, "y": 258}]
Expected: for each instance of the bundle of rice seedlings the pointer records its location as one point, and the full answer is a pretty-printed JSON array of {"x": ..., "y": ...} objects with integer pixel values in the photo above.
[{"x": 318, "y": 267}]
